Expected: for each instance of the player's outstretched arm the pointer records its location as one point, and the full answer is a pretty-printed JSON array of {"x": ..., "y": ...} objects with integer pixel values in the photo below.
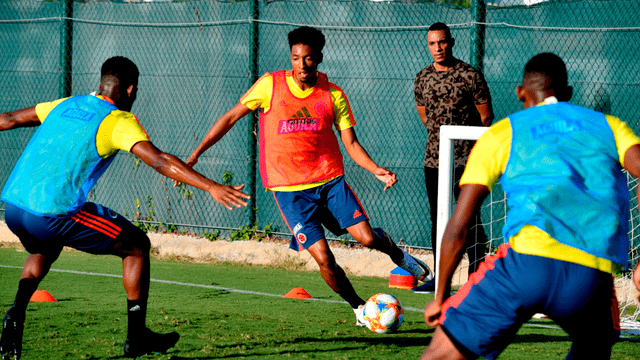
[
  {"x": 19, "y": 118},
  {"x": 362, "y": 158},
  {"x": 174, "y": 168},
  {"x": 218, "y": 131},
  {"x": 453, "y": 247}
]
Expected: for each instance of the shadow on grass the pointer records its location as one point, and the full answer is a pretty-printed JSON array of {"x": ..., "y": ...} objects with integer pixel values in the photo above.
[{"x": 333, "y": 345}]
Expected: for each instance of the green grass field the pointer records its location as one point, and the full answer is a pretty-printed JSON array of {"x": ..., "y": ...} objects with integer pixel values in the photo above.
[{"x": 206, "y": 304}]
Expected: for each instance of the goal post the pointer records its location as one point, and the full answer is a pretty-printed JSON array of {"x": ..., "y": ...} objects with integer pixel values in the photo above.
[
  {"x": 449, "y": 133},
  {"x": 493, "y": 215}
]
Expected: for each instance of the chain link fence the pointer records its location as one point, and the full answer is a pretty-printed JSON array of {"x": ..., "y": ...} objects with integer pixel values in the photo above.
[{"x": 197, "y": 58}]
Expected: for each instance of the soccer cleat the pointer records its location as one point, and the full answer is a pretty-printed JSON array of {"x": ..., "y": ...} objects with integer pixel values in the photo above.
[
  {"x": 416, "y": 267},
  {"x": 11, "y": 339},
  {"x": 150, "y": 342},
  {"x": 360, "y": 321},
  {"x": 428, "y": 287}
]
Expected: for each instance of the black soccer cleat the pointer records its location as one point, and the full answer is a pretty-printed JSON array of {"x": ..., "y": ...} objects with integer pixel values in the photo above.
[
  {"x": 150, "y": 342},
  {"x": 11, "y": 339}
]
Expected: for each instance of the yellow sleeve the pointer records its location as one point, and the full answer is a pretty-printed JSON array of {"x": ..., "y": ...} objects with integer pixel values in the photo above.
[
  {"x": 489, "y": 157},
  {"x": 343, "y": 117},
  {"x": 624, "y": 135},
  {"x": 43, "y": 109},
  {"x": 259, "y": 95},
  {"x": 120, "y": 130}
]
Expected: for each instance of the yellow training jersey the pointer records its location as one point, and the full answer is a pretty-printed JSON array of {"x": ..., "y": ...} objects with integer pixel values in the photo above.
[{"x": 120, "y": 130}]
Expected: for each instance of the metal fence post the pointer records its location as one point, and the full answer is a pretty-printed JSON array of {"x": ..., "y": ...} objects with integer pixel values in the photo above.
[
  {"x": 479, "y": 13},
  {"x": 253, "y": 123},
  {"x": 66, "y": 48}
]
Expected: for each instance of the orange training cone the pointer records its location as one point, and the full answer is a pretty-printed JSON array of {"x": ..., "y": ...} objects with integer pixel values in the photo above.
[
  {"x": 42, "y": 296},
  {"x": 297, "y": 293}
]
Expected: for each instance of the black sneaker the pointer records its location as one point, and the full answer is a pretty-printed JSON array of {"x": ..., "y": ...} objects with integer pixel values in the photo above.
[
  {"x": 11, "y": 340},
  {"x": 426, "y": 288},
  {"x": 150, "y": 342}
]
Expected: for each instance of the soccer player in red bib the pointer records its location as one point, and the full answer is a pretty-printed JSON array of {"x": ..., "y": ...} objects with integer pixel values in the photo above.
[
  {"x": 301, "y": 162},
  {"x": 46, "y": 195},
  {"x": 560, "y": 166}
]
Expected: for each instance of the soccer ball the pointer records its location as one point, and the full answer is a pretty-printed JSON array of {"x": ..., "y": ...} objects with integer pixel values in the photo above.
[{"x": 383, "y": 313}]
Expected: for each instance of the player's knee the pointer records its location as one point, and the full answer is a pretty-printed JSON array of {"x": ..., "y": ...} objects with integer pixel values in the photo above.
[
  {"x": 365, "y": 238},
  {"x": 143, "y": 244},
  {"x": 326, "y": 263},
  {"x": 323, "y": 264},
  {"x": 132, "y": 243}
]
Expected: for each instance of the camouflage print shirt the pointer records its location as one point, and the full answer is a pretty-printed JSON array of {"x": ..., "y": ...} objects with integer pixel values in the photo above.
[{"x": 449, "y": 98}]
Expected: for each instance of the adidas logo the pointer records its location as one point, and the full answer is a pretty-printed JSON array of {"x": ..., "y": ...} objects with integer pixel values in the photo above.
[
  {"x": 357, "y": 214},
  {"x": 135, "y": 308},
  {"x": 282, "y": 103}
]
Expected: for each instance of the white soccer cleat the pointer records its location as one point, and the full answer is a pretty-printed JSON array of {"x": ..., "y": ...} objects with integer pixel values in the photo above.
[
  {"x": 360, "y": 321},
  {"x": 416, "y": 267}
]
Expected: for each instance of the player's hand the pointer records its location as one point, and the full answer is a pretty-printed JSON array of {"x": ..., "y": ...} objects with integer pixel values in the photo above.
[
  {"x": 229, "y": 195},
  {"x": 192, "y": 160},
  {"x": 432, "y": 313},
  {"x": 386, "y": 176},
  {"x": 636, "y": 278}
]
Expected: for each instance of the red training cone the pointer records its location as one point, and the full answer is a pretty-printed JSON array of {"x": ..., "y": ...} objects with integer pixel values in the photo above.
[
  {"x": 297, "y": 293},
  {"x": 42, "y": 296}
]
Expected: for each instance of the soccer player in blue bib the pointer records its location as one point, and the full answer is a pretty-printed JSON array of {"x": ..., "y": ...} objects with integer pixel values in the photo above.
[
  {"x": 46, "y": 196},
  {"x": 560, "y": 166}
]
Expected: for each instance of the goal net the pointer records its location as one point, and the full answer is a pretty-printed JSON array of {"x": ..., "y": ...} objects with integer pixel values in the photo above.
[{"x": 493, "y": 214}]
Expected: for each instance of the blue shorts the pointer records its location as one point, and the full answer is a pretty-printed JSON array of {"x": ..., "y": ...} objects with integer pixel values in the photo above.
[
  {"x": 93, "y": 230},
  {"x": 482, "y": 318},
  {"x": 333, "y": 205}
]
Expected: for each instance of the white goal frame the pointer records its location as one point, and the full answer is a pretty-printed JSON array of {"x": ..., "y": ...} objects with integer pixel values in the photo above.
[
  {"x": 449, "y": 133},
  {"x": 625, "y": 290}
]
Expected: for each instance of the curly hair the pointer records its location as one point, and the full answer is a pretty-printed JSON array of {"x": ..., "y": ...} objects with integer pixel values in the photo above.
[{"x": 312, "y": 37}]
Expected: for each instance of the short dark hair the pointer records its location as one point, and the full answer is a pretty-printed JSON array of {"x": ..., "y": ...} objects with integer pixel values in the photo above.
[
  {"x": 312, "y": 37},
  {"x": 122, "y": 68},
  {"x": 549, "y": 65},
  {"x": 440, "y": 27}
]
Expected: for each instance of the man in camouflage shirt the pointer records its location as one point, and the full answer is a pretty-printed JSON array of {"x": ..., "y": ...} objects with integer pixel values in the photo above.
[{"x": 450, "y": 92}]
